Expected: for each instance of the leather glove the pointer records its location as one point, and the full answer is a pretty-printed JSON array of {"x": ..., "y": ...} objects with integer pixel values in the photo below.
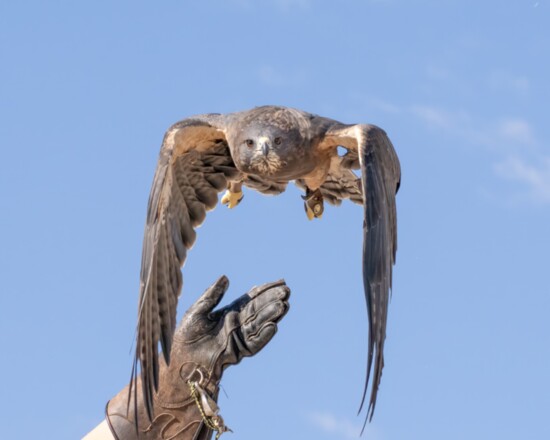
[{"x": 205, "y": 344}]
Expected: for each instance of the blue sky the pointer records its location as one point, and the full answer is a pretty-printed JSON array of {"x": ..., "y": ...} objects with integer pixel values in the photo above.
[{"x": 461, "y": 87}]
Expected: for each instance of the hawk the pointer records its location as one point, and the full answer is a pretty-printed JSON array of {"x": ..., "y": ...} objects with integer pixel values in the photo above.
[{"x": 263, "y": 149}]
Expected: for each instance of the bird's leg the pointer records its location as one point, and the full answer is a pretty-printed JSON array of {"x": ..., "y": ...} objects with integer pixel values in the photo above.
[
  {"x": 313, "y": 203},
  {"x": 234, "y": 194}
]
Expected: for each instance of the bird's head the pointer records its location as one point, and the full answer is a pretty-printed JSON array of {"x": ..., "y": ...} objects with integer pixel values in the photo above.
[
  {"x": 267, "y": 145},
  {"x": 262, "y": 150}
]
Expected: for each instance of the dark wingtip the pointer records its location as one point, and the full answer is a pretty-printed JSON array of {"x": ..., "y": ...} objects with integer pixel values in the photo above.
[
  {"x": 147, "y": 391},
  {"x": 132, "y": 392},
  {"x": 166, "y": 345},
  {"x": 372, "y": 401},
  {"x": 367, "y": 378}
]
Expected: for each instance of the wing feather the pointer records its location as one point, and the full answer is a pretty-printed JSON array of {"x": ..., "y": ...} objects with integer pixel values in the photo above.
[
  {"x": 264, "y": 186},
  {"x": 194, "y": 165},
  {"x": 380, "y": 177},
  {"x": 340, "y": 184}
]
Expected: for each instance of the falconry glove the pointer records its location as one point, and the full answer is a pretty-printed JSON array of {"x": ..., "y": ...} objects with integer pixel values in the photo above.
[{"x": 205, "y": 344}]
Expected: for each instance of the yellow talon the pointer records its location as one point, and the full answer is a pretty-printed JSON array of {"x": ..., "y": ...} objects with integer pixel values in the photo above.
[
  {"x": 316, "y": 212},
  {"x": 232, "y": 199},
  {"x": 313, "y": 203},
  {"x": 309, "y": 213}
]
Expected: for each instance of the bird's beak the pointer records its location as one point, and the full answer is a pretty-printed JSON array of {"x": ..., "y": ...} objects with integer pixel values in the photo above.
[{"x": 263, "y": 142}]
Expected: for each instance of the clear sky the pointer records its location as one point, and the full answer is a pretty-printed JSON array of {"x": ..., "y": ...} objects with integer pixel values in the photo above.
[{"x": 87, "y": 90}]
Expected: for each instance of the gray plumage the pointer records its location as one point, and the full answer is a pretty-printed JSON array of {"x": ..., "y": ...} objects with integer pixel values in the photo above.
[{"x": 263, "y": 149}]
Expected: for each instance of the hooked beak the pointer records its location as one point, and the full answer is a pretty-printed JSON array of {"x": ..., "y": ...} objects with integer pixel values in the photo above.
[{"x": 263, "y": 142}]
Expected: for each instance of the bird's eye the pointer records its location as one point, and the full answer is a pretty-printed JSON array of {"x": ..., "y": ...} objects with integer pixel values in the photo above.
[
  {"x": 277, "y": 141},
  {"x": 249, "y": 143}
]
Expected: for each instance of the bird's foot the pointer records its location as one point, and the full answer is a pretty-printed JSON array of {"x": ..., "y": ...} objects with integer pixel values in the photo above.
[
  {"x": 313, "y": 204},
  {"x": 232, "y": 199}
]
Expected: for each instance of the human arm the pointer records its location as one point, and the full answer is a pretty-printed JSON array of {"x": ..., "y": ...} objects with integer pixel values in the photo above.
[{"x": 205, "y": 344}]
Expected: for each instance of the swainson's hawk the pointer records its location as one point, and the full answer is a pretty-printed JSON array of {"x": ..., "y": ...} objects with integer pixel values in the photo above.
[{"x": 263, "y": 149}]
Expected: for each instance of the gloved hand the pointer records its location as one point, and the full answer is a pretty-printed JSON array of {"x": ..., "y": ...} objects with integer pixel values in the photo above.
[{"x": 205, "y": 344}]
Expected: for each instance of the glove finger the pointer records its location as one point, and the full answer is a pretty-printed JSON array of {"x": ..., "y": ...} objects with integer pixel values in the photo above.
[
  {"x": 259, "y": 340},
  {"x": 240, "y": 303},
  {"x": 258, "y": 290},
  {"x": 276, "y": 292},
  {"x": 269, "y": 313},
  {"x": 211, "y": 297}
]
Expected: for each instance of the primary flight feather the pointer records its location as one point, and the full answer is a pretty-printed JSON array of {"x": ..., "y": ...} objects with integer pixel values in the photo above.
[{"x": 263, "y": 149}]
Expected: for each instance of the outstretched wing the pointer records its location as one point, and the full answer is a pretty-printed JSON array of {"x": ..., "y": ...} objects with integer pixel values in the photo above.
[
  {"x": 194, "y": 165},
  {"x": 370, "y": 147}
]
